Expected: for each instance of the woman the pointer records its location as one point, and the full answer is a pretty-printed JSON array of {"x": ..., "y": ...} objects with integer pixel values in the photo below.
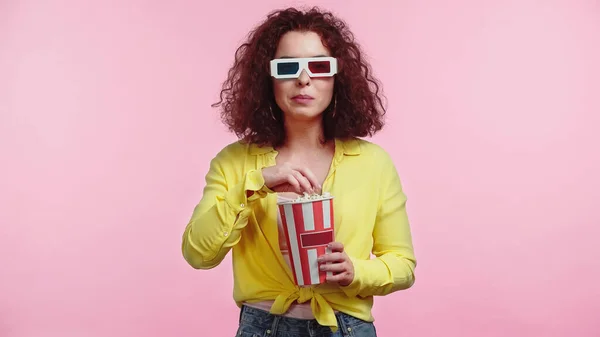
[{"x": 298, "y": 96}]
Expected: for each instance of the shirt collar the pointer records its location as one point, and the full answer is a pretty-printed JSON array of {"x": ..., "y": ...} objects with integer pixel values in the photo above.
[{"x": 350, "y": 147}]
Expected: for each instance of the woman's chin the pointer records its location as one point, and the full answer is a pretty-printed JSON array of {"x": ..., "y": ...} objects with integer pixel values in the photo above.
[{"x": 305, "y": 116}]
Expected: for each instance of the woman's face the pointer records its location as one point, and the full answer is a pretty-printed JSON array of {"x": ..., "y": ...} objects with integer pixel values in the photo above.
[{"x": 289, "y": 93}]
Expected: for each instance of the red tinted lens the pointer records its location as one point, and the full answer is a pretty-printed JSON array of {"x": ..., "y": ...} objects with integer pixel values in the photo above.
[{"x": 319, "y": 67}]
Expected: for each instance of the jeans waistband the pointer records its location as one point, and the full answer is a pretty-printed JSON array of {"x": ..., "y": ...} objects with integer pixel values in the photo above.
[{"x": 294, "y": 326}]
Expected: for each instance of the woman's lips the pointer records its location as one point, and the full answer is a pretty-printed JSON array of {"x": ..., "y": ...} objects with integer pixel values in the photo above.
[{"x": 302, "y": 99}]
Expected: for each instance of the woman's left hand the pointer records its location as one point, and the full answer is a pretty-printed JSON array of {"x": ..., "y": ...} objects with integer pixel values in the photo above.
[{"x": 341, "y": 266}]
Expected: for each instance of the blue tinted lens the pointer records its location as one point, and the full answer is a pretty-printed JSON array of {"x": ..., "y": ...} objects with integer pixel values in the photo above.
[{"x": 287, "y": 68}]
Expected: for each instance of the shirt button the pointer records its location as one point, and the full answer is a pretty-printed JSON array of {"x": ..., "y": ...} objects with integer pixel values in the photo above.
[
  {"x": 349, "y": 329},
  {"x": 225, "y": 233},
  {"x": 242, "y": 205},
  {"x": 269, "y": 332}
]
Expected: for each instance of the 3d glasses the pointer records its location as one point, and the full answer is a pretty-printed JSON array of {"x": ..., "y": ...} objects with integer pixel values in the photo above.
[{"x": 314, "y": 66}]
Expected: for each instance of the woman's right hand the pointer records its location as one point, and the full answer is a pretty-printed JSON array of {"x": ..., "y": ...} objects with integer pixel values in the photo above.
[{"x": 290, "y": 178}]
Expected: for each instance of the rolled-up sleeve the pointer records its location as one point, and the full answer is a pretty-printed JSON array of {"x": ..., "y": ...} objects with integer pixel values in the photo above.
[
  {"x": 218, "y": 219},
  {"x": 394, "y": 264}
]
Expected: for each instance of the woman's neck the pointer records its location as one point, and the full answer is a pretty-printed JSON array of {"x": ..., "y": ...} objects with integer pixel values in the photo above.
[{"x": 304, "y": 136}]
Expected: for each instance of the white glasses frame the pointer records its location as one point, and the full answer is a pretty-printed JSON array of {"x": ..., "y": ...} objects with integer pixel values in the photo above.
[{"x": 303, "y": 65}]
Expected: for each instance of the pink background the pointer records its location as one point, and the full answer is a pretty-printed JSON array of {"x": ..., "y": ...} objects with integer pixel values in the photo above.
[{"x": 106, "y": 132}]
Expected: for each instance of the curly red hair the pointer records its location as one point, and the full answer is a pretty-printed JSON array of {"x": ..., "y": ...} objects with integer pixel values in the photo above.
[{"x": 247, "y": 102}]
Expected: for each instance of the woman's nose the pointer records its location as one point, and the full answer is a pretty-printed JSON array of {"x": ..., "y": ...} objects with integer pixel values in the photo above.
[{"x": 304, "y": 79}]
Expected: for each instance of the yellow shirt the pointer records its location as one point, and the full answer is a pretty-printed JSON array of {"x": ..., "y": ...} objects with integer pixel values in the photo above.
[{"x": 369, "y": 217}]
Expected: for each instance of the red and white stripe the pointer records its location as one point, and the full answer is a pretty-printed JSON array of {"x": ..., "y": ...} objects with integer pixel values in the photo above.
[{"x": 308, "y": 228}]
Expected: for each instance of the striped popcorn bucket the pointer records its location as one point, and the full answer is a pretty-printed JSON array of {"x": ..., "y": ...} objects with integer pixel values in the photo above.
[{"x": 308, "y": 228}]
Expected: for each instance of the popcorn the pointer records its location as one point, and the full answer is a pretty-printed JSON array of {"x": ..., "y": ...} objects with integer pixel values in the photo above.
[
  {"x": 308, "y": 227},
  {"x": 315, "y": 196}
]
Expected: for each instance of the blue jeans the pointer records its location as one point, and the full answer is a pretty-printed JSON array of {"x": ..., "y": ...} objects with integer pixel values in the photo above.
[{"x": 259, "y": 323}]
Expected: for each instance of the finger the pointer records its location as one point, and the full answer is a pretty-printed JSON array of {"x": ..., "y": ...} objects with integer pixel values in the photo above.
[
  {"x": 333, "y": 257},
  {"x": 311, "y": 178},
  {"x": 304, "y": 183},
  {"x": 337, "y": 278},
  {"x": 285, "y": 187},
  {"x": 334, "y": 267},
  {"x": 291, "y": 179},
  {"x": 336, "y": 247}
]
